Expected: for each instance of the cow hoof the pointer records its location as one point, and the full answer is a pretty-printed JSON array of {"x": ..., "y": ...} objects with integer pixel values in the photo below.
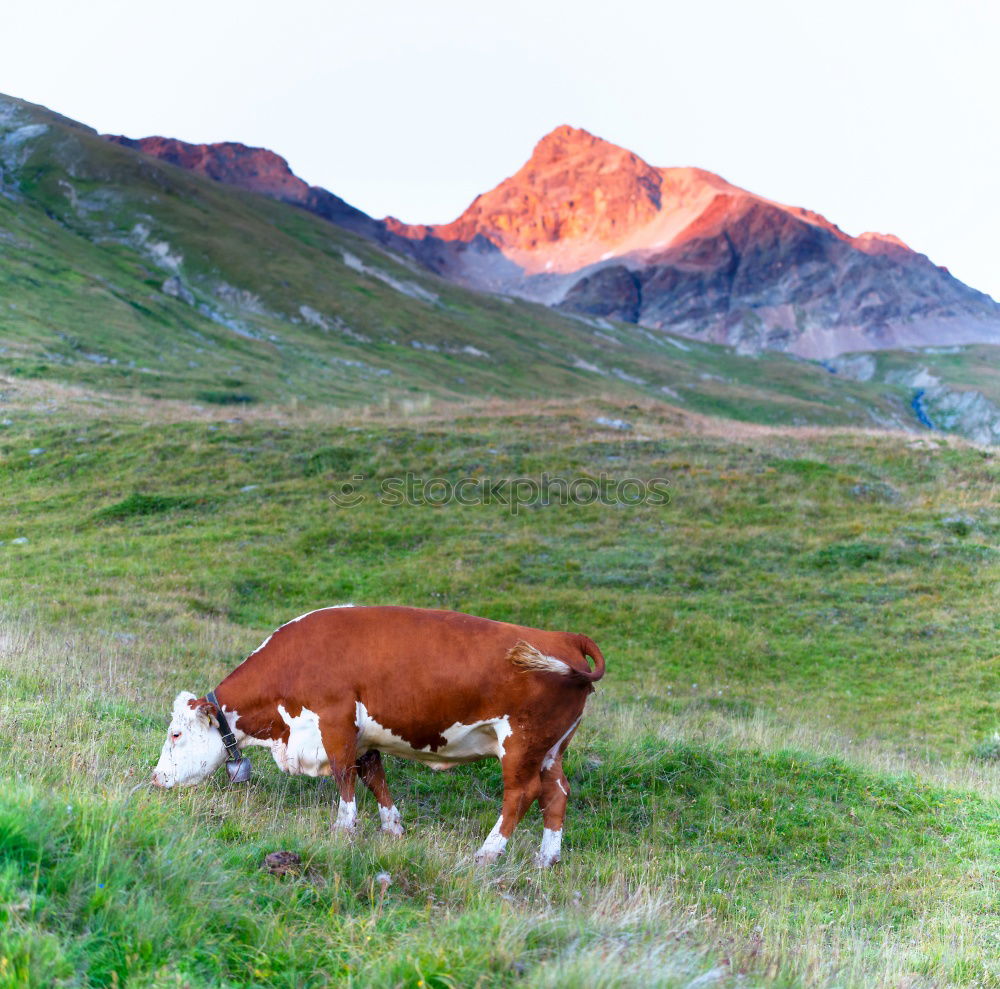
[
  {"x": 548, "y": 854},
  {"x": 348, "y": 831},
  {"x": 391, "y": 822},
  {"x": 486, "y": 858},
  {"x": 347, "y": 817}
]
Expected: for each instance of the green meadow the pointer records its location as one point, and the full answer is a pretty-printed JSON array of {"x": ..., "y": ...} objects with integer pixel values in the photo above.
[{"x": 783, "y": 780}]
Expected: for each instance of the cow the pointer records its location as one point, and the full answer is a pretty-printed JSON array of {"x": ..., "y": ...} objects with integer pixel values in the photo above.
[{"x": 329, "y": 691}]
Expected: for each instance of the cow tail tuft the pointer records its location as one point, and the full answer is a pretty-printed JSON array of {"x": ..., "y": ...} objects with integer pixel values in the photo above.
[{"x": 527, "y": 657}]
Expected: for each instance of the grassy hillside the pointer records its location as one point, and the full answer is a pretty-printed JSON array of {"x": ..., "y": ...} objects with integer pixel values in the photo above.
[
  {"x": 121, "y": 272},
  {"x": 773, "y": 786}
]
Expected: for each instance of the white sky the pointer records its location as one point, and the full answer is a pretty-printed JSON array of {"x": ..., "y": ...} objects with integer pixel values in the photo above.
[{"x": 880, "y": 114}]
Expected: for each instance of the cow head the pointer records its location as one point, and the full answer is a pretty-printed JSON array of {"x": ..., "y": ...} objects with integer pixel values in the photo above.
[{"x": 194, "y": 748}]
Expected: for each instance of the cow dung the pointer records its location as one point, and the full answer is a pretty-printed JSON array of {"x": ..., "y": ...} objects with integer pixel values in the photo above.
[{"x": 283, "y": 864}]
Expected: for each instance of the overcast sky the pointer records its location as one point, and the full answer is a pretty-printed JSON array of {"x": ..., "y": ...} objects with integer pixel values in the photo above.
[{"x": 880, "y": 114}]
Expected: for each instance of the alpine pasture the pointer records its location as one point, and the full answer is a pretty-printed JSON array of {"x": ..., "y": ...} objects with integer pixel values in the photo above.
[{"x": 783, "y": 780}]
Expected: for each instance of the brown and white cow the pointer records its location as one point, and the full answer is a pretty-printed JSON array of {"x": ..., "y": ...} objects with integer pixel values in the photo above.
[{"x": 332, "y": 689}]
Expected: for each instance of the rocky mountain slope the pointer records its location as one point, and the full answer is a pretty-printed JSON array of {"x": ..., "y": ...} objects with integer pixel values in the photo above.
[{"x": 591, "y": 228}]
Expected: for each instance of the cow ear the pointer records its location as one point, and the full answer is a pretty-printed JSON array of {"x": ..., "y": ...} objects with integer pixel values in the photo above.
[{"x": 206, "y": 708}]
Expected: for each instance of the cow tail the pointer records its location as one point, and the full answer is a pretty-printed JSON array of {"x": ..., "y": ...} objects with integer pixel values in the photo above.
[
  {"x": 527, "y": 657},
  {"x": 589, "y": 648}
]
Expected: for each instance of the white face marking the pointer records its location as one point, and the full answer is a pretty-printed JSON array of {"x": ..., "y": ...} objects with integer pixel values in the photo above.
[
  {"x": 463, "y": 743},
  {"x": 347, "y": 815},
  {"x": 293, "y": 621},
  {"x": 391, "y": 822},
  {"x": 494, "y": 845},
  {"x": 548, "y": 854},
  {"x": 303, "y": 754},
  {"x": 553, "y": 753},
  {"x": 193, "y": 749},
  {"x": 561, "y": 787}
]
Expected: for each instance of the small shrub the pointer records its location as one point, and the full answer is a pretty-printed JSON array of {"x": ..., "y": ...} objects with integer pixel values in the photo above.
[
  {"x": 988, "y": 750},
  {"x": 960, "y": 525},
  {"x": 331, "y": 460},
  {"x": 29, "y": 370},
  {"x": 846, "y": 555},
  {"x": 804, "y": 468},
  {"x": 137, "y": 505},
  {"x": 216, "y": 397},
  {"x": 876, "y": 491}
]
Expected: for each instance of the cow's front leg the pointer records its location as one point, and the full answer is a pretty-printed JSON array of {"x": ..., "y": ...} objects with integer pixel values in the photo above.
[
  {"x": 521, "y": 788},
  {"x": 373, "y": 775},
  {"x": 341, "y": 750},
  {"x": 347, "y": 808}
]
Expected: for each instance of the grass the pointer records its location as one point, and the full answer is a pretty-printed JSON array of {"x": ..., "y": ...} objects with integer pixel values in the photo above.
[{"x": 775, "y": 785}]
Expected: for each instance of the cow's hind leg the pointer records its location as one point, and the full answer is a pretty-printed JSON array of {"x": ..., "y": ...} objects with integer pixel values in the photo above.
[
  {"x": 555, "y": 795},
  {"x": 373, "y": 776},
  {"x": 521, "y": 788}
]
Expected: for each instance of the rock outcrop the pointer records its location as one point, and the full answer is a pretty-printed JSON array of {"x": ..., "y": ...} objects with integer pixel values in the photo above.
[{"x": 254, "y": 169}]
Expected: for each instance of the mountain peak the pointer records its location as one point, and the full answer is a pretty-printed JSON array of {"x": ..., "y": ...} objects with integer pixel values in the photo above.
[
  {"x": 565, "y": 140},
  {"x": 588, "y": 152},
  {"x": 577, "y": 197}
]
